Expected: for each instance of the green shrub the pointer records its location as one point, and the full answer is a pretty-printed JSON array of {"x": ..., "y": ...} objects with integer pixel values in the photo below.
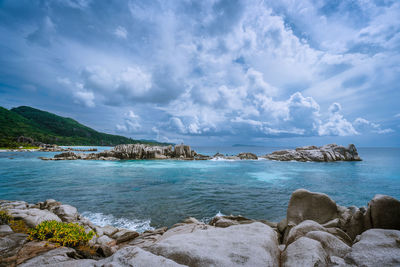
[{"x": 64, "y": 234}]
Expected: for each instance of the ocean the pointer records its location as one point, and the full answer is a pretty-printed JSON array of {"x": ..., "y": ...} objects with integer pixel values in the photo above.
[{"x": 147, "y": 194}]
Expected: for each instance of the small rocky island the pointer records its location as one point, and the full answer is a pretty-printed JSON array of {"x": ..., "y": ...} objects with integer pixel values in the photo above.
[
  {"x": 315, "y": 232},
  {"x": 325, "y": 153},
  {"x": 135, "y": 151}
]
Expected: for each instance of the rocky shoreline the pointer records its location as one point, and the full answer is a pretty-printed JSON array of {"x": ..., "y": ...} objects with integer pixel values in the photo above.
[
  {"x": 39, "y": 146},
  {"x": 327, "y": 153},
  {"x": 49, "y": 148},
  {"x": 315, "y": 232}
]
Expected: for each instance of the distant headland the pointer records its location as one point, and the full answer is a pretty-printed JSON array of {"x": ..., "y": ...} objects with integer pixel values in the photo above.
[{"x": 42, "y": 127}]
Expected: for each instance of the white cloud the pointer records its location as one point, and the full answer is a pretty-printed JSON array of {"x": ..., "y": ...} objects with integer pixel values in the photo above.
[
  {"x": 131, "y": 123},
  {"x": 259, "y": 68},
  {"x": 123, "y": 85},
  {"x": 366, "y": 126},
  {"x": 134, "y": 81},
  {"x": 121, "y": 32},
  {"x": 84, "y": 97},
  {"x": 336, "y": 123},
  {"x": 79, "y": 93}
]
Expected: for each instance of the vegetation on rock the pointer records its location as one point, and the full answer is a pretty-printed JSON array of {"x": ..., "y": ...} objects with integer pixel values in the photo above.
[
  {"x": 5, "y": 218},
  {"x": 64, "y": 234},
  {"x": 18, "y": 226}
]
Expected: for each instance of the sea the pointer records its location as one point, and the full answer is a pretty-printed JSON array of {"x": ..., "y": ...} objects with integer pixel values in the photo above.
[{"x": 147, "y": 194}]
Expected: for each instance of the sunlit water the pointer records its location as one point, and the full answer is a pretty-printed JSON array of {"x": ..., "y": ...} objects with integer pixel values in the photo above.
[{"x": 144, "y": 194}]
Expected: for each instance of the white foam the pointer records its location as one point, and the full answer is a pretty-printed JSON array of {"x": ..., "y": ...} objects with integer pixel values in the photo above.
[
  {"x": 222, "y": 159},
  {"x": 270, "y": 176},
  {"x": 219, "y": 214},
  {"x": 101, "y": 219},
  {"x": 206, "y": 220}
]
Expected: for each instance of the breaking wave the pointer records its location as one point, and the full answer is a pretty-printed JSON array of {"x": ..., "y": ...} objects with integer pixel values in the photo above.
[{"x": 101, "y": 219}]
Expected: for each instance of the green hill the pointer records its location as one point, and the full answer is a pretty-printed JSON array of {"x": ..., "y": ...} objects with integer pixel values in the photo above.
[{"x": 49, "y": 128}]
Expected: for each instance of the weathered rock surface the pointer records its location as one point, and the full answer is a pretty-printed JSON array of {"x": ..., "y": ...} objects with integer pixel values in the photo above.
[
  {"x": 376, "y": 247},
  {"x": 384, "y": 212},
  {"x": 124, "y": 235},
  {"x": 5, "y": 229},
  {"x": 148, "y": 238},
  {"x": 305, "y": 252},
  {"x": 254, "y": 244},
  {"x": 28, "y": 251},
  {"x": 33, "y": 217},
  {"x": 353, "y": 220},
  {"x": 9, "y": 247},
  {"x": 332, "y": 245},
  {"x": 301, "y": 230},
  {"x": 56, "y": 257},
  {"x": 109, "y": 230},
  {"x": 135, "y": 256},
  {"x": 67, "y": 213},
  {"x": 104, "y": 240},
  {"x": 325, "y": 153},
  {"x": 306, "y": 205}
]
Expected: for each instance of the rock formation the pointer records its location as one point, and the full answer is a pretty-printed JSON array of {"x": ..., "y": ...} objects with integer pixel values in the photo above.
[
  {"x": 135, "y": 151},
  {"x": 325, "y": 153},
  {"x": 315, "y": 232}
]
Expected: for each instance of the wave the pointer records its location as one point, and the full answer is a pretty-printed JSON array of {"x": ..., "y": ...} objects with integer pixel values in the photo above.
[
  {"x": 206, "y": 220},
  {"x": 222, "y": 159},
  {"x": 101, "y": 219}
]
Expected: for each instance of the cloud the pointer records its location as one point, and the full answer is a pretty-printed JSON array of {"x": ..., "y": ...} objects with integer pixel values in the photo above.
[
  {"x": 336, "y": 124},
  {"x": 200, "y": 69},
  {"x": 128, "y": 84},
  {"x": 366, "y": 126},
  {"x": 85, "y": 97},
  {"x": 43, "y": 35},
  {"x": 130, "y": 125},
  {"x": 121, "y": 32},
  {"x": 79, "y": 93}
]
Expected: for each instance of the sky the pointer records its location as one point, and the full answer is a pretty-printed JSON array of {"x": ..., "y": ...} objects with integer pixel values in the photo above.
[{"x": 209, "y": 72}]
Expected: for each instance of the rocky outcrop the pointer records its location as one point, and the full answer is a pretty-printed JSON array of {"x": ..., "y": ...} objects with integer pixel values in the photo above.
[
  {"x": 306, "y": 205},
  {"x": 135, "y": 256},
  {"x": 254, "y": 244},
  {"x": 325, "y": 153},
  {"x": 305, "y": 252},
  {"x": 384, "y": 212},
  {"x": 375, "y": 247},
  {"x": 134, "y": 151},
  {"x": 15, "y": 248},
  {"x": 240, "y": 156},
  {"x": 316, "y": 232},
  {"x": 247, "y": 156},
  {"x": 344, "y": 234},
  {"x": 33, "y": 216}
]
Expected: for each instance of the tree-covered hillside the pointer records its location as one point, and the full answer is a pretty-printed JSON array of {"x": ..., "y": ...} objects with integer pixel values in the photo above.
[{"x": 49, "y": 128}]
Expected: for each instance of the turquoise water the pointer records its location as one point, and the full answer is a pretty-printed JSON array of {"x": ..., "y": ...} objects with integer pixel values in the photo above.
[{"x": 145, "y": 194}]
